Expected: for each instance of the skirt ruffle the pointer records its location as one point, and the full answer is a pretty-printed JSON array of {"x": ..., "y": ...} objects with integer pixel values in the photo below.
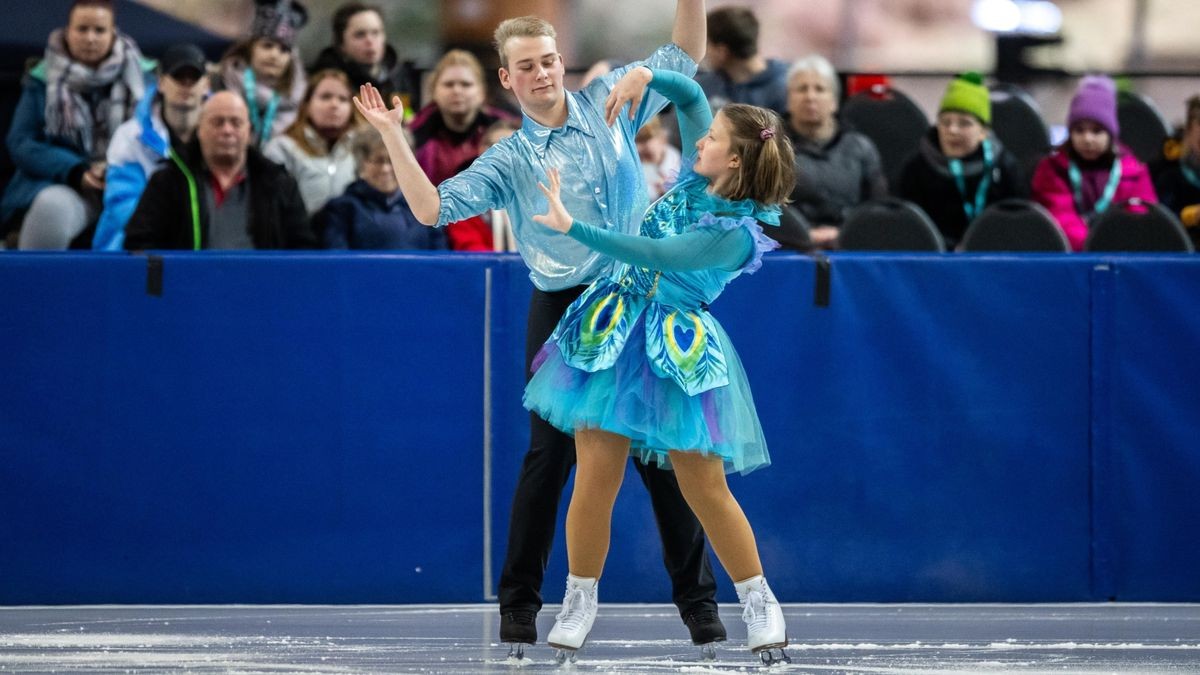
[{"x": 653, "y": 412}]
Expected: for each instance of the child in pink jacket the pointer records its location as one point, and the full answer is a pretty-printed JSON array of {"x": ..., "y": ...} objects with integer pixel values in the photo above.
[{"x": 1092, "y": 170}]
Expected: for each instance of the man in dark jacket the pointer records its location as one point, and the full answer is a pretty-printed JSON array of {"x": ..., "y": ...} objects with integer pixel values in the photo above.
[
  {"x": 736, "y": 71},
  {"x": 224, "y": 195}
]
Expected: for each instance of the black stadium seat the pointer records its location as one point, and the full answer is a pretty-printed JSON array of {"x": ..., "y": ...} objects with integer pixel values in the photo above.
[
  {"x": 1143, "y": 127},
  {"x": 889, "y": 225},
  {"x": 1018, "y": 124},
  {"x": 1015, "y": 225},
  {"x": 891, "y": 120},
  {"x": 1137, "y": 226}
]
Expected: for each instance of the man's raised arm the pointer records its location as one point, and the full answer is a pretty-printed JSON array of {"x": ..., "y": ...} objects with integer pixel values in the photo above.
[
  {"x": 690, "y": 31},
  {"x": 422, "y": 195}
]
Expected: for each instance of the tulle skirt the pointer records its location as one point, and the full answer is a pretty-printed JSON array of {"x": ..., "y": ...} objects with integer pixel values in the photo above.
[{"x": 653, "y": 412}]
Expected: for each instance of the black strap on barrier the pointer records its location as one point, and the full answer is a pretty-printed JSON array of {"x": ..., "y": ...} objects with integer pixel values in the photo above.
[
  {"x": 821, "y": 286},
  {"x": 154, "y": 274}
]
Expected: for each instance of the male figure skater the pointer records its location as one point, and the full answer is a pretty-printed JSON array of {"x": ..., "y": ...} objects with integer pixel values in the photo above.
[{"x": 602, "y": 183}]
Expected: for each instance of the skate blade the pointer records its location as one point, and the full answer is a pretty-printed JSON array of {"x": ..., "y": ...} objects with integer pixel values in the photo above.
[
  {"x": 566, "y": 656},
  {"x": 773, "y": 655},
  {"x": 516, "y": 651},
  {"x": 708, "y": 651}
]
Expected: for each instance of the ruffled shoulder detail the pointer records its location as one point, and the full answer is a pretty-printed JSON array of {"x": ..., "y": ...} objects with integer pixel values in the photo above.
[
  {"x": 686, "y": 173},
  {"x": 762, "y": 243}
]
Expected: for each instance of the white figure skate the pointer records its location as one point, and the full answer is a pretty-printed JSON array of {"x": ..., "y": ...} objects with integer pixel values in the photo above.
[
  {"x": 574, "y": 622},
  {"x": 765, "y": 627}
]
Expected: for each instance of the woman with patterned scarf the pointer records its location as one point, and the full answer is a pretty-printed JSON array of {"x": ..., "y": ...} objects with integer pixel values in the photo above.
[{"x": 89, "y": 82}]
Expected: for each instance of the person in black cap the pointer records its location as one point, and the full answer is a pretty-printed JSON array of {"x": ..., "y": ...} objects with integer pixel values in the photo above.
[
  {"x": 164, "y": 122},
  {"x": 265, "y": 68}
]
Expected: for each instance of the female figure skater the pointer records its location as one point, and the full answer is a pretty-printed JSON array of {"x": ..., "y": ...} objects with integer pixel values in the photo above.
[{"x": 637, "y": 364}]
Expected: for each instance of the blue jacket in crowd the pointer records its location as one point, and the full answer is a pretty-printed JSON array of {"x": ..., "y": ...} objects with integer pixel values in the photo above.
[
  {"x": 136, "y": 150},
  {"x": 365, "y": 218}
]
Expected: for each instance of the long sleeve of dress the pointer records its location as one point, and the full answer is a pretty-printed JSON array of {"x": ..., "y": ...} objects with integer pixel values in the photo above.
[
  {"x": 691, "y": 106},
  {"x": 697, "y": 250}
]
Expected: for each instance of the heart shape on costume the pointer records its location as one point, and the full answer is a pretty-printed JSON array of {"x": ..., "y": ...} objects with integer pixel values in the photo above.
[{"x": 683, "y": 335}]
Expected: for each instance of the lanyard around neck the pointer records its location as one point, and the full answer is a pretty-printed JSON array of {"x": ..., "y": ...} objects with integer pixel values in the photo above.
[
  {"x": 985, "y": 182},
  {"x": 1110, "y": 188},
  {"x": 260, "y": 123},
  {"x": 1188, "y": 172}
]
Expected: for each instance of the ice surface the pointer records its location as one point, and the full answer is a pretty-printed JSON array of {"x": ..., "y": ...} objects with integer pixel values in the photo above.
[{"x": 459, "y": 639}]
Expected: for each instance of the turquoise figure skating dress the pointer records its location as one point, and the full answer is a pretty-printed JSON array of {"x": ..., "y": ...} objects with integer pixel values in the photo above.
[{"x": 638, "y": 353}]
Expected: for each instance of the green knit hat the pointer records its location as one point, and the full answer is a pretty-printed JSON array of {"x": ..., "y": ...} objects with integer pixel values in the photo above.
[{"x": 966, "y": 93}]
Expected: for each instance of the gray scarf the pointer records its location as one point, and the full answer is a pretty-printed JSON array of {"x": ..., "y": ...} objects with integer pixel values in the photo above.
[{"x": 86, "y": 105}]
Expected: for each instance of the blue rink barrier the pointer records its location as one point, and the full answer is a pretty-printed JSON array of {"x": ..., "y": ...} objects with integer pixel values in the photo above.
[{"x": 325, "y": 428}]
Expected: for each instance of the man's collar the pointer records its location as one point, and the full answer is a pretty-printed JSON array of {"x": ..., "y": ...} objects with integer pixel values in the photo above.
[
  {"x": 220, "y": 191},
  {"x": 539, "y": 135}
]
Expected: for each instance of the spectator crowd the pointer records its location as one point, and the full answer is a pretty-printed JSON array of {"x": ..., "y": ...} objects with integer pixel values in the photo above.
[{"x": 114, "y": 151}]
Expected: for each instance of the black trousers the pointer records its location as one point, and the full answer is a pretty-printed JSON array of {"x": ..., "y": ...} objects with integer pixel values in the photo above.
[{"x": 544, "y": 473}]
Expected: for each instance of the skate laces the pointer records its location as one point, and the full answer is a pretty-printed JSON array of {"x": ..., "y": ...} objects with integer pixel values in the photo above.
[
  {"x": 522, "y": 616},
  {"x": 701, "y": 617},
  {"x": 755, "y": 612},
  {"x": 574, "y": 609}
]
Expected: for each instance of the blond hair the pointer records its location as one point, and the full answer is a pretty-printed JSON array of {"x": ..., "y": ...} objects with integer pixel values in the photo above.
[
  {"x": 457, "y": 57},
  {"x": 521, "y": 26},
  {"x": 653, "y": 127},
  {"x": 767, "y": 170}
]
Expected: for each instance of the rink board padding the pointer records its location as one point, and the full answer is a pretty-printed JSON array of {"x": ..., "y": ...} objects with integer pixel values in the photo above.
[
  {"x": 332, "y": 428},
  {"x": 270, "y": 429}
]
